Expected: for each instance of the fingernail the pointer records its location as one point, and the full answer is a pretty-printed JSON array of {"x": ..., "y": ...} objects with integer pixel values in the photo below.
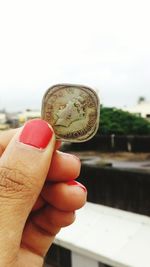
[
  {"x": 36, "y": 133},
  {"x": 75, "y": 157},
  {"x": 73, "y": 182},
  {"x": 71, "y": 156}
]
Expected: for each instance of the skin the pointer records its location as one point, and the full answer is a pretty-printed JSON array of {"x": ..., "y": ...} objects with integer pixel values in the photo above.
[{"x": 31, "y": 217}]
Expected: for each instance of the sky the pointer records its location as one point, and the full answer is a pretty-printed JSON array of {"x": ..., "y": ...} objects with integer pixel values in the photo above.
[{"x": 104, "y": 44}]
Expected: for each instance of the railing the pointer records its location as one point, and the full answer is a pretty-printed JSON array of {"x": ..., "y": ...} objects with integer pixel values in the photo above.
[
  {"x": 128, "y": 143},
  {"x": 103, "y": 236}
]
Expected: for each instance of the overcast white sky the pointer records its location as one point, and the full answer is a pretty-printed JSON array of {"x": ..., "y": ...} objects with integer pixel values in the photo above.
[{"x": 101, "y": 43}]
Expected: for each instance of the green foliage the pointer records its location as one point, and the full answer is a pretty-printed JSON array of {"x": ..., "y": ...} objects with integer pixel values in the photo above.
[{"x": 116, "y": 121}]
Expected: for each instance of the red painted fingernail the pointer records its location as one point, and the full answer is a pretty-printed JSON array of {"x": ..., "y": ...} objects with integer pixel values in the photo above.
[
  {"x": 73, "y": 182},
  {"x": 36, "y": 133}
]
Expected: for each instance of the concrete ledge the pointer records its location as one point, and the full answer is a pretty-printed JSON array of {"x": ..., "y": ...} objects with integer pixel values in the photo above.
[{"x": 111, "y": 236}]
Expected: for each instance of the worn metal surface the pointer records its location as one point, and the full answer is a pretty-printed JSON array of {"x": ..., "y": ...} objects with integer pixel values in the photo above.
[{"x": 72, "y": 110}]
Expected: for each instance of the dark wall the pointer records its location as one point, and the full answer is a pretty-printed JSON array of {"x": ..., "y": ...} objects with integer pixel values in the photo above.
[
  {"x": 58, "y": 257},
  {"x": 114, "y": 143},
  {"x": 123, "y": 189}
]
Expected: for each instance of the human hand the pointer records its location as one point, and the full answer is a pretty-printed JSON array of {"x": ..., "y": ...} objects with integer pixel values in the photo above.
[{"x": 38, "y": 194}]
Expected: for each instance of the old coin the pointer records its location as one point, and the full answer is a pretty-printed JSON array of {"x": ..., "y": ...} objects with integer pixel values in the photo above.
[{"x": 72, "y": 110}]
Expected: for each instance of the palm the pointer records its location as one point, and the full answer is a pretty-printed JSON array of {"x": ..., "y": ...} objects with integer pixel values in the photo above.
[{"x": 28, "y": 258}]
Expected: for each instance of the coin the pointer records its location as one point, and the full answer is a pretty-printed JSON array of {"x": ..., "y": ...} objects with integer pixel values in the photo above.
[{"x": 72, "y": 111}]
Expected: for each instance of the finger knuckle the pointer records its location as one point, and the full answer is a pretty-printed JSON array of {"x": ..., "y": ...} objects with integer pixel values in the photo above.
[
  {"x": 68, "y": 219},
  {"x": 12, "y": 182},
  {"x": 62, "y": 222}
]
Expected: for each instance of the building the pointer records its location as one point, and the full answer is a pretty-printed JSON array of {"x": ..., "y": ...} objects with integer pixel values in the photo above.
[
  {"x": 3, "y": 121},
  {"x": 142, "y": 109},
  {"x": 28, "y": 115},
  {"x": 2, "y": 118}
]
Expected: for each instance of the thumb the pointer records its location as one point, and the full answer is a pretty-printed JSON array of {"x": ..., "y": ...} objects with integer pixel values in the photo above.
[{"x": 23, "y": 169}]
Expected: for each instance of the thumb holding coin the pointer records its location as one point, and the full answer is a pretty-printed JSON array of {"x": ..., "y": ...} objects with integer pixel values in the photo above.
[
  {"x": 25, "y": 164},
  {"x": 23, "y": 169}
]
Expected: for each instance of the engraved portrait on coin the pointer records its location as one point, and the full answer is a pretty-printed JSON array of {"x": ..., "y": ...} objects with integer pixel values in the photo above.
[{"x": 72, "y": 110}]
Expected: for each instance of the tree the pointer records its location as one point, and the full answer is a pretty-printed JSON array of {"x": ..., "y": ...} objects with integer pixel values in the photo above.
[
  {"x": 141, "y": 99},
  {"x": 116, "y": 121}
]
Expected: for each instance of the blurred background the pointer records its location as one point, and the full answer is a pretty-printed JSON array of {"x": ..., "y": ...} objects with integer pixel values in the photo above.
[{"x": 101, "y": 44}]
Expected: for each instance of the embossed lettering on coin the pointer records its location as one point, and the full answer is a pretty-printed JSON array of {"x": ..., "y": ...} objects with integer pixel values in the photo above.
[{"x": 72, "y": 110}]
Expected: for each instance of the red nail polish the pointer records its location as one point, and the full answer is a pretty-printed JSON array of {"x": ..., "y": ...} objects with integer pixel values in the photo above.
[
  {"x": 36, "y": 133},
  {"x": 73, "y": 182}
]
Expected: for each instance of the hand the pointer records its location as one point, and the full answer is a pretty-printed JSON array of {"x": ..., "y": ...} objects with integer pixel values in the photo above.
[{"x": 38, "y": 194}]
